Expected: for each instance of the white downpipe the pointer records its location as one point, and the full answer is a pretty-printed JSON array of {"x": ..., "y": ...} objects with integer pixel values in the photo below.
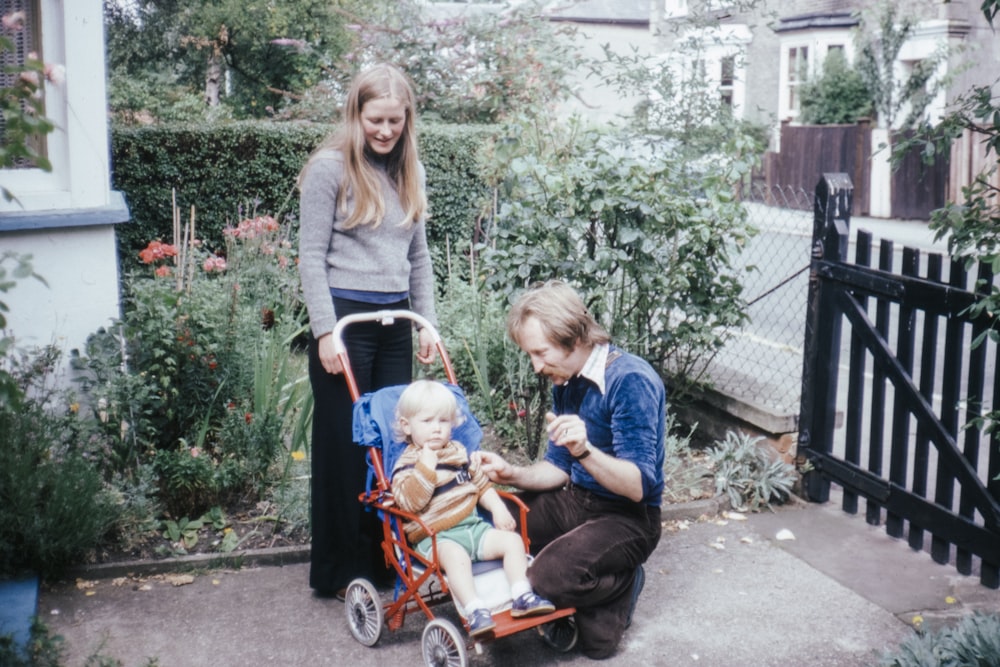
[{"x": 880, "y": 186}]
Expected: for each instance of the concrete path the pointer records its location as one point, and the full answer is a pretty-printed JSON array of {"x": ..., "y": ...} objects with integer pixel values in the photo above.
[{"x": 719, "y": 593}]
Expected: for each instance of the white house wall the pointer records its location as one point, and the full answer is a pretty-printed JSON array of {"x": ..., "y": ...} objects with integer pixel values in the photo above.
[
  {"x": 80, "y": 266},
  {"x": 65, "y": 220},
  {"x": 595, "y": 100}
]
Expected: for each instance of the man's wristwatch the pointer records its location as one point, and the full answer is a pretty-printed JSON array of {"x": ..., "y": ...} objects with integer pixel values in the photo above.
[{"x": 586, "y": 453}]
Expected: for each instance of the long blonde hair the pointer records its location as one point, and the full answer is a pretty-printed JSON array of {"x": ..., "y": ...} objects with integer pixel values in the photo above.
[{"x": 402, "y": 164}]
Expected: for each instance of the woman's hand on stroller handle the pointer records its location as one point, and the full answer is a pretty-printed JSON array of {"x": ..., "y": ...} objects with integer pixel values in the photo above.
[
  {"x": 328, "y": 355},
  {"x": 426, "y": 348}
]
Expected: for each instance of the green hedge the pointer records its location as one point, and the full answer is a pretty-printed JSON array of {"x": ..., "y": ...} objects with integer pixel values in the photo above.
[{"x": 228, "y": 171}]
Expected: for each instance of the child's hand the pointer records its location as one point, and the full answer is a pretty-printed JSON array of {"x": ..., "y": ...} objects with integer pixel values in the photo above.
[
  {"x": 428, "y": 456},
  {"x": 503, "y": 520}
]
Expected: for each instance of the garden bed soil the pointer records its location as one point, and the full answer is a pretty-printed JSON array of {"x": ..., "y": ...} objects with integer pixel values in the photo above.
[{"x": 257, "y": 526}]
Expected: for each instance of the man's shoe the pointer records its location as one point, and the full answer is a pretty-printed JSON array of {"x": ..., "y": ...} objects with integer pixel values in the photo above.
[
  {"x": 530, "y": 604},
  {"x": 637, "y": 584},
  {"x": 481, "y": 623}
]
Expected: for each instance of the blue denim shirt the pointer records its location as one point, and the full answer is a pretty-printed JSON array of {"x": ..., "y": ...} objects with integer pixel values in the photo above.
[{"x": 627, "y": 421}]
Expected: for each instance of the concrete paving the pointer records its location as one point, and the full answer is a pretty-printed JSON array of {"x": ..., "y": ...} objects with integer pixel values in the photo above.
[{"x": 720, "y": 592}]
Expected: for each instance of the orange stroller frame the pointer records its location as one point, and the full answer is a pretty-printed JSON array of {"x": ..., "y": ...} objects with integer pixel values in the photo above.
[{"x": 421, "y": 583}]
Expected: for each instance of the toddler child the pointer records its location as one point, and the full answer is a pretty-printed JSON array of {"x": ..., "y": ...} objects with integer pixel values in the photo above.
[{"x": 433, "y": 479}]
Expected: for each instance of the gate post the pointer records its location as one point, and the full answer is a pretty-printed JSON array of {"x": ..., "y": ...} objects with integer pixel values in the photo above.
[{"x": 821, "y": 349}]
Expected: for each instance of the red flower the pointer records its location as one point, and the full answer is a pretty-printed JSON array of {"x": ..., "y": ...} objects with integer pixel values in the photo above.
[
  {"x": 156, "y": 251},
  {"x": 248, "y": 417}
]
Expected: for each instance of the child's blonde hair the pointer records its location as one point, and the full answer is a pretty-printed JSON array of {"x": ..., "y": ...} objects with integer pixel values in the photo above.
[{"x": 420, "y": 395}]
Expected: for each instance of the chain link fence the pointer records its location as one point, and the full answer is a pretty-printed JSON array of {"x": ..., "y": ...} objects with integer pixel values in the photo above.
[{"x": 761, "y": 363}]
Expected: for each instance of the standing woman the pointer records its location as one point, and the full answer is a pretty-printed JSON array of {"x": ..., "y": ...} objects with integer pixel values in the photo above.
[{"x": 362, "y": 248}]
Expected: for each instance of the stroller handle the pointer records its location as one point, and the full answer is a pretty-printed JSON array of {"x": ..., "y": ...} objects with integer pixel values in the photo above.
[{"x": 385, "y": 318}]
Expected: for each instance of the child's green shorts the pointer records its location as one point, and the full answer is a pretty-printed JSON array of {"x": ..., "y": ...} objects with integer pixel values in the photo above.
[{"x": 469, "y": 533}]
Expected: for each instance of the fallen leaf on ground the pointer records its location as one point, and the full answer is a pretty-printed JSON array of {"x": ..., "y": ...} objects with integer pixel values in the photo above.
[
  {"x": 746, "y": 540},
  {"x": 83, "y": 584},
  {"x": 784, "y": 534},
  {"x": 735, "y": 516},
  {"x": 179, "y": 579}
]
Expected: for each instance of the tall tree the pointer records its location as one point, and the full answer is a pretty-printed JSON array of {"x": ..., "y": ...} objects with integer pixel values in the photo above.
[
  {"x": 880, "y": 37},
  {"x": 226, "y": 52}
]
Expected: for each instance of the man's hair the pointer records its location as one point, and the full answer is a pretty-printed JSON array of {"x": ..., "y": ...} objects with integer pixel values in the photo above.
[{"x": 560, "y": 311}]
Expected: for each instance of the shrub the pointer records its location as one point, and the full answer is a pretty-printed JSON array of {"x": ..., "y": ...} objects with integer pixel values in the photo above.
[
  {"x": 508, "y": 394},
  {"x": 196, "y": 382},
  {"x": 48, "y": 478},
  {"x": 838, "y": 95},
  {"x": 682, "y": 478},
  {"x": 225, "y": 171},
  {"x": 749, "y": 474},
  {"x": 229, "y": 171},
  {"x": 973, "y": 642},
  {"x": 647, "y": 241}
]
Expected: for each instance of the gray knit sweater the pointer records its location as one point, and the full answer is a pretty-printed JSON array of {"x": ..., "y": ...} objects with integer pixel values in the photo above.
[{"x": 387, "y": 258}]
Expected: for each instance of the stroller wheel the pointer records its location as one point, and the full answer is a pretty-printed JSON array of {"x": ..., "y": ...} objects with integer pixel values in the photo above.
[
  {"x": 364, "y": 611},
  {"x": 560, "y": 634},
  {"x": 443, "y": 645}
]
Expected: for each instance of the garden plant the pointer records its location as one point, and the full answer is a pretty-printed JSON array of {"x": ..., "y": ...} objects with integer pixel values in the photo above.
[{"x": 193, "y": 405}]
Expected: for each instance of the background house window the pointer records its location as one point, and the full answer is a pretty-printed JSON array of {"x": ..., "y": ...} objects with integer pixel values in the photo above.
[
  {"x": 727, "y": 74},
  {"x": 25, "y": 41},
  {"x": 798, "y": 74}
]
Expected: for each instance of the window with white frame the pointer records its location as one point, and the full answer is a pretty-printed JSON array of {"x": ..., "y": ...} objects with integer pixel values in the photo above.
[
  {"x": 23, "y": 36},
  {"x": 801, "y": 54},
  {"x": 796, "y": 74},
  {"x": 727, "y": 77}
]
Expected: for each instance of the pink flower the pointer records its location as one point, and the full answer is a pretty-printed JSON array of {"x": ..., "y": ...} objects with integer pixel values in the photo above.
[
  {"x": 29, "y": 76},
  {"x": 195, "y": 452},
  {"x": 55, "y": 74},
  {"x": 213, "y": 263},
  {"x": 14, "y": 22},
  {"x": 163, "y": 272}
]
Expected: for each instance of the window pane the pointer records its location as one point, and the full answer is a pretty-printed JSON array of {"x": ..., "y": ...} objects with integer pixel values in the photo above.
[
  {"x": 728, "y": 68},
  {"x": 25, "y": 41}
]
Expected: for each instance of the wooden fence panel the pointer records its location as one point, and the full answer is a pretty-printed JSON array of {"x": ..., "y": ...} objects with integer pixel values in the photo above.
[
  {"x": 918, "y": 188},
  {"x": 809, "y": 151}
]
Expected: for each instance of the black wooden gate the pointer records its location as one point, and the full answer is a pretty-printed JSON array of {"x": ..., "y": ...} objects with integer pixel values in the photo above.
[{"x": 911, "y": 401}]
